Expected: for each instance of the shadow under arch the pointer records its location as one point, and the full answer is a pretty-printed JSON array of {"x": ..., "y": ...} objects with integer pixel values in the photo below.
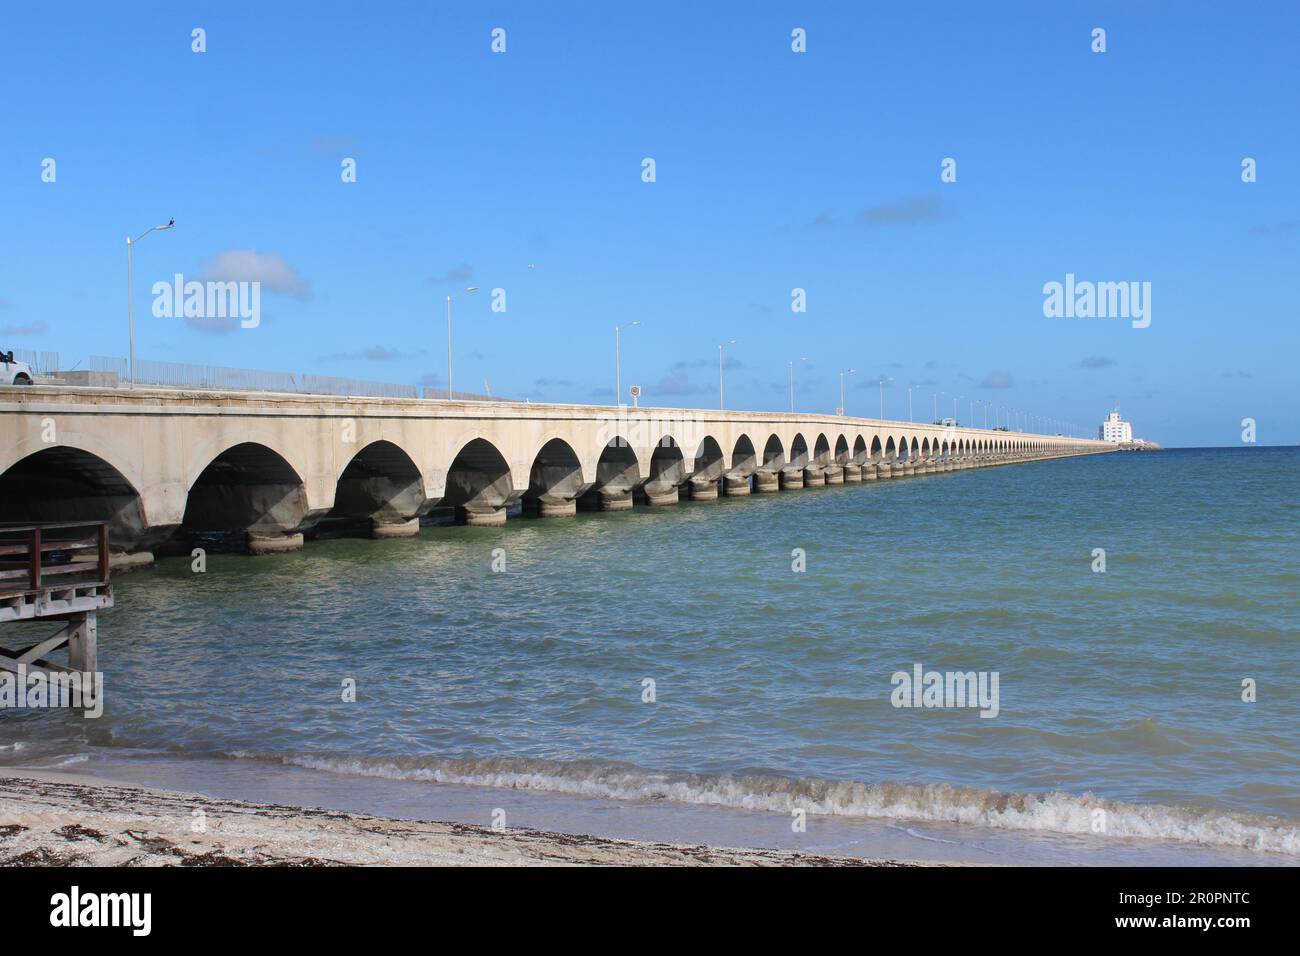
[{"x": 64, "y": 483}]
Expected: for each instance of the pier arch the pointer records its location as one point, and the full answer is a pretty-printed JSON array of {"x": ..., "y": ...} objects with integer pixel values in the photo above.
[
  {"x": 252, "y": 490},
  {"x": 381, "y": 483},
  {"x": 64, "y": 483},
  {"x": 479, "y": 485},
  {"x": 554, "y": 480}
]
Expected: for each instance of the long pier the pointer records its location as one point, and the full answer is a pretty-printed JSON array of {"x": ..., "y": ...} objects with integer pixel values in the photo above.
[{"x": 161, "y": 465}]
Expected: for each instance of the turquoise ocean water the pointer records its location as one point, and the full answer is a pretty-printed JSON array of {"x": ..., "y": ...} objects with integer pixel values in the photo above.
[{"x": 523, "y": 689}]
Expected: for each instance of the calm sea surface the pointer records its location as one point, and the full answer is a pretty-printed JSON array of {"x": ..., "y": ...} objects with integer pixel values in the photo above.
[{"x": 1119, "y": 691}]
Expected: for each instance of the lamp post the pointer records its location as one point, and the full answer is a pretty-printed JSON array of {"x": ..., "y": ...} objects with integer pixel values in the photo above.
[
  {"x": 843, "y": 372},
  {"x": 909, "y": 403},
  {"x": 472, "y": 288},
  {"x": 721, "y": 403},
  {"x": 130, "y": 314},
  {"x": 882, "y": 383},
  {"x": 618, "y": 363}
]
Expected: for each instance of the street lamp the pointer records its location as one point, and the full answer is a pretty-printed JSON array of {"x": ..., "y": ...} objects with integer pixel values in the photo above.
[
  {"x": 618, "y": 362},
  {"x": 882, "y": 384},
  {"x": 130, "y": 315},
  {"x": 721, "y": 404},
  {"x": 804, "y": 359},
  {"x": 472, "y": 288},
  {"x": 844, "y": 372},
  {"x": 909, "y": 403}
]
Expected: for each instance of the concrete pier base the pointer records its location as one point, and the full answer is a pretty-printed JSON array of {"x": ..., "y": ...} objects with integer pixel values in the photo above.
[
  {"x": 852, "y": 473},
  {"x": 621, "y": 502},
  {"x": 549, "y": 508},
  {"x": 488, "y": 518},
  {"x": 791, "y": 480},
  {"x": 735, "y": 487},
  {"x": 767, "y": 482},
  {"x": 272, "y": 543},
  {"x": 662, "y": 499},
  {"x": 813, "y": 478},
  {"x": 381, "y": 530},
  {"x": 704, "y": 491},
  {"x": 870, "y": 472},
  {"x": 119, "y": 562},
  {"x": 834, "y": 476}
]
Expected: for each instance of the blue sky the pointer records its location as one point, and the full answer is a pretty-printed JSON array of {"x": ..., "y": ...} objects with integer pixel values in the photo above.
[{"x": 775, "y": 170}]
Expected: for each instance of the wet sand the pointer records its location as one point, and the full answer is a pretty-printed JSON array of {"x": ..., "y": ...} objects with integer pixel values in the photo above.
[{"x": 56, "y": 819}]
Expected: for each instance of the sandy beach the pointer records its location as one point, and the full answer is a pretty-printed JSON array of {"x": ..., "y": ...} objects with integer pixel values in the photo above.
[{"x": 49, "y": 819}]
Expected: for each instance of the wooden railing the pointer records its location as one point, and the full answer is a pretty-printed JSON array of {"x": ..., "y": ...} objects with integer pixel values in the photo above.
[{"x": 31, "y": 553}]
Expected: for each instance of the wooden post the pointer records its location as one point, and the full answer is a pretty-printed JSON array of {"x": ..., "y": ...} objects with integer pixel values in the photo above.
[
  {"x": 103, "y": 552},
  {"x": 83, "y": 654},
  {"x": 34, "y": 560}
]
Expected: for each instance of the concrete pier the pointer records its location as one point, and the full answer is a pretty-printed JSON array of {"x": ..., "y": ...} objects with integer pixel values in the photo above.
[{"x": 165, "y": 467}]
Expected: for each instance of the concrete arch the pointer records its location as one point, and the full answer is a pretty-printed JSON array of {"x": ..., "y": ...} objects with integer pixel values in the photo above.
[
  {"x": 618, "y": 475},
  {"x": 554, "y": 480},
  {"x": 667, "y": 473},
  {"x": 891, "y": 449},
  {"x": 860, "y": 452},
  {"x": 383, "y": 484},
  {"x": 479, "y": 485},
  {"x": 842, "y": 450},
  {"x": 822, "y": 451},
  {"x": 63, "y": 483},
  {"x": 773, "y": 454},
  {"x": 744, "y": 459},
  {"x": 708, "y": 463},
  {"x": 877, "y": 451},
  {"x": 798, "y": 452},
  {"x": 251, "y": 490}
]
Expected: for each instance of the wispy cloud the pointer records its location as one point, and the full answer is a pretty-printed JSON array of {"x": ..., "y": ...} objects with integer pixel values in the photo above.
[
  {"x": 677, "y": 383},
  {"x": 333, "y": 145},
  {"x": 1096, "y": 361},
  {"x": 249, "y": 265},
  {"x": 1270, "y": 228},
  {"x": 997, "y": 380},
  {"x": 910, "y": 209},
  {"x": 31, "y": 328},
  {"x": 460, "y": 273},
  {"x": 375, "y": 353}
]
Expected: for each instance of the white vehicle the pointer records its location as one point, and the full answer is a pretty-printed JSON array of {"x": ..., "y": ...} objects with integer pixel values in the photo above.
[{"x": 13, "y": 372}]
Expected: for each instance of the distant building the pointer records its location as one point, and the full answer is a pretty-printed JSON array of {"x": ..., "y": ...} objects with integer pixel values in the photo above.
[{"x": 1115, "y": 429}]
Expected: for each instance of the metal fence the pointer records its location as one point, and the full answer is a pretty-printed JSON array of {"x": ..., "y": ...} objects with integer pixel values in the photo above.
[
  {"x": 178, "y": 375},
  {"x": 42, "y": 363}
]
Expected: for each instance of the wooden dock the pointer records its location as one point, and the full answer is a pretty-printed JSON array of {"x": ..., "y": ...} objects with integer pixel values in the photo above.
[{"x": 57, "y": 572}]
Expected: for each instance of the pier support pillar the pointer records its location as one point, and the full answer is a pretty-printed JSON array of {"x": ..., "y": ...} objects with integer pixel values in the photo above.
[
  {"x": 550, "y": 507},
  {"x": 834, "y": 475},
  {"x": 852, "y": 472},
  {"x": 272, "y": 543},
  {"x": 662, "y": 498},
  {"x": 394, "y": 529},
  {"x": 735, "y": 486},
  {"x": 813, "y": 478},
  {"x": 767, "y": 482},
  {"x": 482, "y": 517},
  {"x": 791, "y": 480},
  {"x": 704, "y": 490}
]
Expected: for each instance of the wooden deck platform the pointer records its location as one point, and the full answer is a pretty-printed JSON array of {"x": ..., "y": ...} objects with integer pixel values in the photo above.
[{"x": 55, "y": 571}]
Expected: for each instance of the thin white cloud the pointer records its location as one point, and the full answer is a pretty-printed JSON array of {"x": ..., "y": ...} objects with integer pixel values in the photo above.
[{"x": 249, "y": 265}]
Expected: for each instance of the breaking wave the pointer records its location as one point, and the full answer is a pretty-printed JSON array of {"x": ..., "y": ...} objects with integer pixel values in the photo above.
[{"x": 1051, "y": 812}]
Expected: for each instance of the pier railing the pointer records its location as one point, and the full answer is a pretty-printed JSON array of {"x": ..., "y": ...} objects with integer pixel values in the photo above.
[{"x": 38, "y": 557}]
